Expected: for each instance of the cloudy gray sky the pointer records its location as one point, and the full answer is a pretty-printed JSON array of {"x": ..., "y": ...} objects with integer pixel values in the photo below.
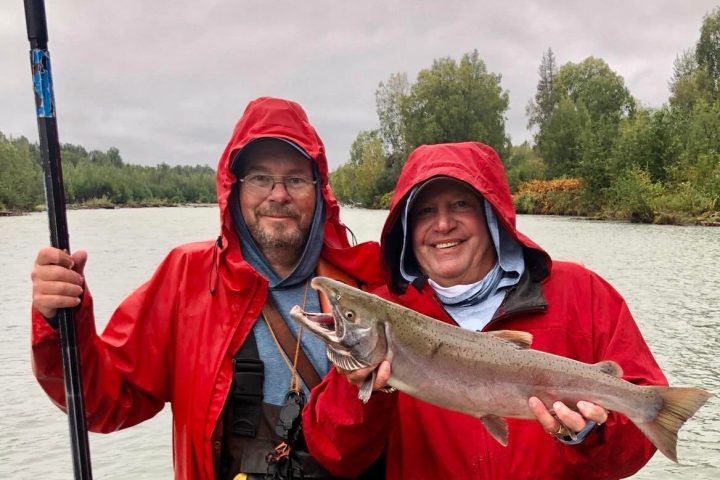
[{"x": 165, "y": 81}]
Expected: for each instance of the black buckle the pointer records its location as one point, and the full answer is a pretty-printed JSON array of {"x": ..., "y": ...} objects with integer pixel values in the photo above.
[{"x": 288, "y": 423}]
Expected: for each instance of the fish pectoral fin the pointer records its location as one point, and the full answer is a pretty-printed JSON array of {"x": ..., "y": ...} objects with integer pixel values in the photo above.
[
  {"x": 367, "y": 387},
  {"x": 516, "y": 337},
  {"x": 497, "y": 427},
  {"x": 343, "y": 359},
  {"x": 610, "y": 367}
]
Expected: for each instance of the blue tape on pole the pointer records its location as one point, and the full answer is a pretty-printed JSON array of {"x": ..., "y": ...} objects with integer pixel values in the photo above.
[{"x": 42, "y": 83}]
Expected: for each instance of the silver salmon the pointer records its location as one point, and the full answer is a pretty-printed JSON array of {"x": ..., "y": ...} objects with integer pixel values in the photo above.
[{"x": 487, "y": 375}]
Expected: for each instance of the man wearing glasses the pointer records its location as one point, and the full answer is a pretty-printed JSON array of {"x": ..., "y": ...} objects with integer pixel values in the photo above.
[{"x": 209, "y": 332}]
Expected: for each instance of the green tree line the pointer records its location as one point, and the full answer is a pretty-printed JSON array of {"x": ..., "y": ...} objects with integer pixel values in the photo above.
[
  {"x": 630, "y": 161},
  {"x": 97, "y": 178}
]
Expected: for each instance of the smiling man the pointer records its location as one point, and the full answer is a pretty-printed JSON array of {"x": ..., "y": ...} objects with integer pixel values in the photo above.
[
  {"x": 209, "y": 332},
  {"x": 277, "y": 199},
  {"x": 455, "y": 254},
  {"x": 449, "y": 233}
]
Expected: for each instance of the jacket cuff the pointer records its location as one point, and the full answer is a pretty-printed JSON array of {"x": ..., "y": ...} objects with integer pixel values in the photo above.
[
  {"x": 590, "y": 426},
  {"x": 54, "y": 322},
  {"x": 82, "y": 315}
]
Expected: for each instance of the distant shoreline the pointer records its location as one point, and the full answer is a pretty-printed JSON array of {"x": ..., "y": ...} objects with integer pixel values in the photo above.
[
  {"x": 707, "y": 220},
  {"x": 677, "y": 220},
  {"x": 17, "y": 213}
]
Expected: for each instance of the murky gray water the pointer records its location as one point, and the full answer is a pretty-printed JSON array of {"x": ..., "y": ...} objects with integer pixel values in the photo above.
[{"x": 669, "y": 276}]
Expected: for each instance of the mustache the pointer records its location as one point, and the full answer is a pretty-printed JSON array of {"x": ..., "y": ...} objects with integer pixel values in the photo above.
[{"x": 278, "y": 210}]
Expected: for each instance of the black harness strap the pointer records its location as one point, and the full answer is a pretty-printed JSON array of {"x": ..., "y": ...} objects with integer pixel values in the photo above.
[{"x": 247, "y": 389}]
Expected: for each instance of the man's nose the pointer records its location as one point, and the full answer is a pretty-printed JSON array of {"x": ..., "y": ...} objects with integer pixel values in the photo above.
[
  {"x": 444, "y": 221},
  {"x": 278, "y": 192}
]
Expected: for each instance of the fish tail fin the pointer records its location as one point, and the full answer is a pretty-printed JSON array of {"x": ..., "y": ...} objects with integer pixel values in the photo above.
[{"x": 679, "y": 404}]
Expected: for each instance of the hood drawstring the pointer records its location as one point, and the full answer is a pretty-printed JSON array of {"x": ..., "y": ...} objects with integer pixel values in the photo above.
[
  {"x": 214, "y": 269},
  {"x": 353, "y": 238}
]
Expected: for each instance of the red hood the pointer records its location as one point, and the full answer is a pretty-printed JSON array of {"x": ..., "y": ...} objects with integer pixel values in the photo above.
[
  {"x": 471, "y": 162},
  {"x": 278, "y": 118}
]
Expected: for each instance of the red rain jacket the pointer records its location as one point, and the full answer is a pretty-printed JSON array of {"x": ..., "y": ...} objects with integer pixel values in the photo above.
[
  {"x": 584, "y": 318},
  {"x": 172, "y": 340}
]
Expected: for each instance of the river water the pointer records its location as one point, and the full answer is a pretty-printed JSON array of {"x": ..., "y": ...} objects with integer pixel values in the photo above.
[{"x": 668, "y": 275}]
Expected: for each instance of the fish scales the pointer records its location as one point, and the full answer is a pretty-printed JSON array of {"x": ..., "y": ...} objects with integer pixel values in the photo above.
[{"x": 450, "y": 358}]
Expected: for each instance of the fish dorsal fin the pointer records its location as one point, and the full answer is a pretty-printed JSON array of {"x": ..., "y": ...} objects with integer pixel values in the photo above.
[
  {"x": 520, "y": 339},
  {"x": 610, "y": 367},
  {"x": 497, "y": 427}
]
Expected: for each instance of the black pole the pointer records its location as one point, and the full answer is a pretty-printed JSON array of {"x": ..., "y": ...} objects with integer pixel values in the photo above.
[{"x": 55, "y": 199}]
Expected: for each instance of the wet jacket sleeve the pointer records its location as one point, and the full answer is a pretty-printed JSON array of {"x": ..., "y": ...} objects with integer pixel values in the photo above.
[
  {"x": 616, "y": 449},
  {"x": 343, "y": 434},
  {"x": 124, "y": 370}
]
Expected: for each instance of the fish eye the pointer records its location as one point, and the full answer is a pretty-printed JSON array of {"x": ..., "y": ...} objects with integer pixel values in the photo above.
[{"x": 349, "y": 314}]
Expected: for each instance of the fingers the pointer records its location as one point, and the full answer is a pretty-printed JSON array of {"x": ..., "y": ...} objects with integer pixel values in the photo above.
[
  {"x": 79, "y": 259},
  {"x": 357, "y": 377},
  {"x": 54, "y": 284},
  {"x": 543, "y": 415},
  {"x": 53, "y": 256},
  {"x": 383, "y": 375},
  {"x": 574, "y": 421},
  {"x": 593, "y": 412},
  {"x": 571, "y": 419}
]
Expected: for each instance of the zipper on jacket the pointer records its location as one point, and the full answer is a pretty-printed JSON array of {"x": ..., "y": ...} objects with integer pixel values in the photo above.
[
  {"x": 442, "y": 308},
  {"x": 514, "y": 313},
  {"x": 528, "y": 292}
]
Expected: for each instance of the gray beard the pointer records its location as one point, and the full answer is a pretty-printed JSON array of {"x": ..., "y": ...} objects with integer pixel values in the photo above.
[
  {"x": 285, "y": 247},
  {"x": 280, "y": 247}
]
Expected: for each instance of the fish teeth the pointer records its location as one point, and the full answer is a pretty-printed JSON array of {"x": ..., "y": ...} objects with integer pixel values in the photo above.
[{"x": 446, "y": 244}]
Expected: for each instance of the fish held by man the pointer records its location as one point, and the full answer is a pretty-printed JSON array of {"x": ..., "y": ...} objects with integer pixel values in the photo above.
[{"x": 489, "y": 375}]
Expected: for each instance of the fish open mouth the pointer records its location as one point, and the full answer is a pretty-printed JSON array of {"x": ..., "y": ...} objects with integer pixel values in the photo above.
[{"x": 321, "y": 324}]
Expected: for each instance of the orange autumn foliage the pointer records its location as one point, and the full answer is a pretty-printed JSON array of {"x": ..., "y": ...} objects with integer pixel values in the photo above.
[
  {"x": 545, "y": 186},
  {"x": 559, "y": 196}
]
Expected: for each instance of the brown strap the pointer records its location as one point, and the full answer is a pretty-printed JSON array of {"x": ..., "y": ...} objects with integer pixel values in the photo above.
[
  {"x": 288, "y": 342},
  {"x": 326, "y": 269}
]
